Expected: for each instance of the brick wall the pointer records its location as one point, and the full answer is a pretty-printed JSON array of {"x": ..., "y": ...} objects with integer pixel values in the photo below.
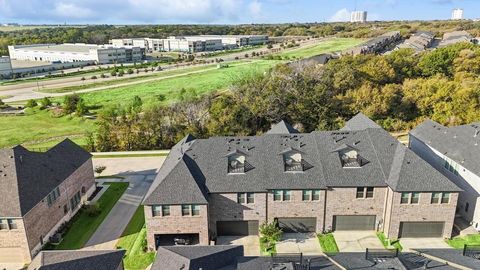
[
  {"x": 224, "y": 207},
  {"x": 343, "y": 201},
  {"x": 297, "y": 208},
  {"x": 423, "y": 211},
  {"x": 43, "y": 221},
  {"x": 176, "y": 223}
]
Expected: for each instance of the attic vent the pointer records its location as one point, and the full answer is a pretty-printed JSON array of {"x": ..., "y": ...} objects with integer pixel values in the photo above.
[{"x": 357, "y": 142}]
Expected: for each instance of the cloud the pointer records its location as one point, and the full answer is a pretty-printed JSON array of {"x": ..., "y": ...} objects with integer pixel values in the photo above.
[
  {"x": 342, "y": 15},
  {"x": 255, "y": 8},
  {"x": 73, "y": 11}
]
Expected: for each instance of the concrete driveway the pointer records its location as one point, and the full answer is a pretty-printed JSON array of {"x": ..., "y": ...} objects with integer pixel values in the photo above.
[
  {"x": 409, "y": 244},
  {"x": 139, "y": 172},
  {"x": 357, "y": 241},
  {"x": 250, "y": 243},
  {"x": 306, "y": 243}
]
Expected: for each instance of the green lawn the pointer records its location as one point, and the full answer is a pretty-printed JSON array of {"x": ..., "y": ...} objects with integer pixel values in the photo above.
[
  {"x": 327, "y": 243},
  {"x": 396, "y": 244},
  {"x": 89, "y": 83},
  {"x": 39, "y": 126},
  {"x": 83, "y": 226},
  {"x": 459, "y": 242},
  {"x": 332, "y": 45},
  {"x": 202, "y": 83},
  {"x": 132, "y": 241}
]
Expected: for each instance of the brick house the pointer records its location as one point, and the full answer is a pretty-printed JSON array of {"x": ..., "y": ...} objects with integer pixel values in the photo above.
[
  {"x": 356, "y": 178},
  {"x": 39, "y": 192},
  {"x": 453, "y": 151}
]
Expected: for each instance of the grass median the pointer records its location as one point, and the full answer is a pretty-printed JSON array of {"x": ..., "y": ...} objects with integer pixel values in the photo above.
[
  {"x": 328, "y": 243},
  {"x": 460, "y": 241},
  {"x": 133, "y": 240},
  {"x": 83, "y": 226}
]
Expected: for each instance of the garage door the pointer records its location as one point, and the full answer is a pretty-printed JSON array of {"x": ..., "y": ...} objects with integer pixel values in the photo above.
[
  {"x": 353, "y": 223},
  {"x": 237, "y": 228},
  {"x": 11, "y": 255},
  {"x": 297, "y": 225},
  {"x": 421, "y": 229}
]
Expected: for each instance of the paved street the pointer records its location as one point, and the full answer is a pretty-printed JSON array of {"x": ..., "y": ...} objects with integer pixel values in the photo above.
[{"x": 140, "y": 173}]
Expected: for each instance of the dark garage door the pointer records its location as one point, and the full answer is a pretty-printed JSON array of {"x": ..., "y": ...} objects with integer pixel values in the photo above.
[
  {"x": 297, "y": 225},
  {"x": 237, "y": 228},
  {"x": 353, "y": 223},
  {"x": 421, "y": 229}
]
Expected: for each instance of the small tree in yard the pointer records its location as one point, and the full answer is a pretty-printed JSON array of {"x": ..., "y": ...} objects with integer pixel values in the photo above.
[
  {"x": 270, "y": 234},
  {"x": 70, "y": 103},
  {"x": 81, "y": 108},
  {"x": 31, "y": 103},
  {"x": 46, "y": 102}
]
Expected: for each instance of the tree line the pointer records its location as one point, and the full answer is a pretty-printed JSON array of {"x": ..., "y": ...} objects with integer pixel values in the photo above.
[
  {"x": 398, "y": 91},
  {"x": 101, "y": 34}
]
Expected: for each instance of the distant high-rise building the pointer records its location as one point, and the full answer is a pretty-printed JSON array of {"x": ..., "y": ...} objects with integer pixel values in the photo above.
[
  {"x": 457, "y": 14},
  {"x": 358, "y": 16}
]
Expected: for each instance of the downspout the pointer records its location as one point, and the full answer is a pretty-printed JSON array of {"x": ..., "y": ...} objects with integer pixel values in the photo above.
[
  {"x": 324, "y": 210},
  {"x": 266, "y": 206}
]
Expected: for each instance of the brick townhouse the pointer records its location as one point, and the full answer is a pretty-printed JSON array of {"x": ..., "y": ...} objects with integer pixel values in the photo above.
[
  {"x": 356, "y": 178},
  {"x": 39, "y": 192}
]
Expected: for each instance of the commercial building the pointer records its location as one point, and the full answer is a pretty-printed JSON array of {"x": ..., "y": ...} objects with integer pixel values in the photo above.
[
  {"x": 356, "y": 178},
  {"x": 5, "y": 66},
  {"x": 457, "y": 14},
  {"x": 192, "y": 44},
  {"x": 38, "y": 193},
  {"x": 76, "y": 52},
  {"x": 358, "y": 16},
  {"x": 454, "y": 151}
]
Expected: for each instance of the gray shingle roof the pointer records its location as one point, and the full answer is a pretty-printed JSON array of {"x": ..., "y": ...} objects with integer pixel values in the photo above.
[
  {"x": 282, "y": 127},
  {"x": 200, "y": 166},
  {"x": 196, "y": 257},
  {"x": 78, "y": 260},
  {"x": 359, "y": 122},
  {"x": 28, "y": 177},
  {"x": 452, "y": 255},
  {"x": 459, "y": 143},
  {"x": 265, "y": 263}
]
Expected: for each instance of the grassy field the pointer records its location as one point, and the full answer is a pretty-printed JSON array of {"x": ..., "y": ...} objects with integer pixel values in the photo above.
[
  {"x": 132, "y": 241},
  {"x": 84, "y": 226},
  {"x": 126, "y": 79},
  {"x": 202, "y": 83},
  {"x": 40, "y": 125},
  {"x": 332, "y": 45}
]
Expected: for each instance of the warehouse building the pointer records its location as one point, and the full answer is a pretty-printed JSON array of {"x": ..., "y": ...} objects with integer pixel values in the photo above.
[
  {"x": 76, "y": 52},
  {"x": 192, "y": 44},
  {"x": 5, "y": 66}
]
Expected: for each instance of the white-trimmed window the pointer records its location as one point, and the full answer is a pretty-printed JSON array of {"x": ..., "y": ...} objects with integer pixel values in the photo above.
[
  {"x": 247, "y": 197},
  {"x": 311, "y": 195},
  {"x": 190, "y": 210},
  {"x": 282, "y": 195},
  {"x": 440, "y": 198},
  {"x": 410, "y": 198},
  {"x": 53, "y": 196}
]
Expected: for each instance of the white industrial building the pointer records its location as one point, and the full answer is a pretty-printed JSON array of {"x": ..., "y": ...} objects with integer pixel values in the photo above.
[
  {"x": 457, "y": 14},
  {"x": 358, "y": 16},
  {"x": 192, "y": 44},
  {"x": 5, "y": 66},
  {"x": 76, "y": 52}
]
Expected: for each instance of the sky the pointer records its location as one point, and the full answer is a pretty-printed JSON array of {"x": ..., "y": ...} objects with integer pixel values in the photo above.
[{"x": 224, "y": 11}]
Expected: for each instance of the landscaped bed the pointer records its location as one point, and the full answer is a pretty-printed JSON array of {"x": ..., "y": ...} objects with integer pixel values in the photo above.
[
  {"x": 459, "y": 242},
  {"x": 328, "y": 243},
  {"x": 396, "y": 244},
  {"x": 84, "y": 224},
  {"x": 133, "y": 240}
]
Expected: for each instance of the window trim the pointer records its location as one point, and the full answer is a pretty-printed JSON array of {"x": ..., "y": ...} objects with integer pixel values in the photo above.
[
  {"x": 186, "y": 207},
  {"x": 363, "y": 193},
  {"x": 283, "y": 193},
  {"x": 410, "y": 197},
  {"x": 441, "y": 196}
]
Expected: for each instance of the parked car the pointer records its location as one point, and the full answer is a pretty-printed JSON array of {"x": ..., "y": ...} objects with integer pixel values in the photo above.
[{"x": 182, "y": 240}]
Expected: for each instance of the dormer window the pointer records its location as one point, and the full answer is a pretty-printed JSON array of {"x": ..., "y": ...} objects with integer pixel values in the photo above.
[
  {"x": 292, "y": 161},
  {"x": 349, "y": 157},
  {"x": 236, "y": 163}
]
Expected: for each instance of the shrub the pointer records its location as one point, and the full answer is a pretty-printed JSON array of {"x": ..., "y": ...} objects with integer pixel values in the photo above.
[
  {"x": 70, "y": 103},
  {"x": 93, "y": 77},
  {"x": 121, "y": 73},
  {"x": 93, "y": 210},
  {"x": 46, "y": 102},
  {"x": 113, "y": 73},
  {"x": 81, "y": 107},
  {"x": 99, "y": 169},
  {"x": 31, "y": 103},
  {"x": 130, "y": 71},
  {"x": 270, "y": 234},
  {"x": 83, "y": 79}
]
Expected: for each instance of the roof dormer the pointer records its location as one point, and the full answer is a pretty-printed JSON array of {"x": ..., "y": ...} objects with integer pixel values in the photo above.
[
  {"x": 349, "y": 156},
  {"x": 237, "y": 162},
  {"x": 292, "y": 160}
]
